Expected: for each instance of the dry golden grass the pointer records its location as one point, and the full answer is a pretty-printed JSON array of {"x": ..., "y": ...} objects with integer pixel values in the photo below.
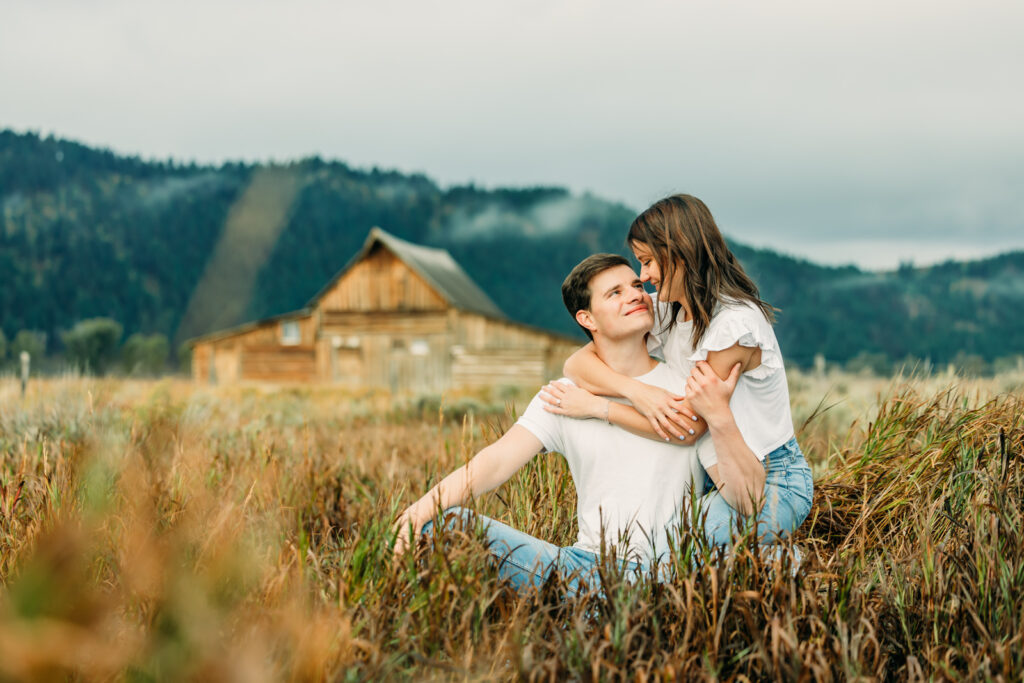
[{"x": 164, "y": 530}]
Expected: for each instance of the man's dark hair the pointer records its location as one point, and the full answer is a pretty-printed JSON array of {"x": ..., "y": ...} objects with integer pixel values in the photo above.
[{"x": 576, "y": 287}]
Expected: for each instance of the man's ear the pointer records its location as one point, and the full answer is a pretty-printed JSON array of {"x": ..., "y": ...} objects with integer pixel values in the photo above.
[{"x": 584, "y": 318}]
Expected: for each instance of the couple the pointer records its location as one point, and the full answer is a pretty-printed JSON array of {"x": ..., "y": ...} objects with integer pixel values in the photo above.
[{"x": 639, "y": 434}]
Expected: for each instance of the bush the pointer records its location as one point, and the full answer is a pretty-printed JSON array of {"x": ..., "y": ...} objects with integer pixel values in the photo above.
[
  {"x": 866, "y": 362},
  {"x": 430, "y": 406},
  {"x": 31, "y": 341},
  {"x": 92, "y": 344},
  {"x": 1008, "y": 364},
  {"x": 185, "y": 359},
  {"x": 145, "y": 354},
  {"x": 912, "y": 365},
  {"x": 971, "y": 365}
]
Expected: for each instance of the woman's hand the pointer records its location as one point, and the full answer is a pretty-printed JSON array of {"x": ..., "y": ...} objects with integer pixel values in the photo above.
[
  {"x": 708, "y": 393},
  {"x": 666, "y": 411},
  {"x": 572, "y": 401}
]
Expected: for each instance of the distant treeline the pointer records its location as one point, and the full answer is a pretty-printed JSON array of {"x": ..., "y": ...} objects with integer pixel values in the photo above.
[
  {"x": 90, "y": 234},
  {"x": 92, "y": 347}
]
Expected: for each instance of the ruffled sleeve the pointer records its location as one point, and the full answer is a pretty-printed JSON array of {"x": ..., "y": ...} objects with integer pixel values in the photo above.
[{"x": 746, "y": 325}]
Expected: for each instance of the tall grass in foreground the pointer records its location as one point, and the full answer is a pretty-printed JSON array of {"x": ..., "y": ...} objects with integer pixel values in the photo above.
[{"x": 167, "y": 531}]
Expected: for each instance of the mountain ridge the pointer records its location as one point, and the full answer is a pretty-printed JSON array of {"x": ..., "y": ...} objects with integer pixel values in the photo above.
[{"x": 86, "y": 232}]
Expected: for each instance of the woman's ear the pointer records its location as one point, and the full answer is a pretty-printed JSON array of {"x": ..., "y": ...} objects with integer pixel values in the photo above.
[{"x": 584, "y": 318}]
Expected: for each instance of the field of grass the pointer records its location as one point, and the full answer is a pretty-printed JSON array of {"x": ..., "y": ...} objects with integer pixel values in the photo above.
[{"x": 164, "y": 530}]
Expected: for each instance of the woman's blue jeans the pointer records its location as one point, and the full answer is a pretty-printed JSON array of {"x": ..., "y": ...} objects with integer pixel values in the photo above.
[
  {"x": 527, "y": 562},
  {"x": 788, "y": 490}
]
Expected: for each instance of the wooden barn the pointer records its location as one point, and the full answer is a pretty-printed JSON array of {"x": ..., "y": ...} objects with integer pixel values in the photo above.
[{"x": 399, "y": 316}]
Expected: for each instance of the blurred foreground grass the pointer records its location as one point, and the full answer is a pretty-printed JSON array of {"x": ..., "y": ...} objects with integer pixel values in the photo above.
[{"x": 165, "y": 530}]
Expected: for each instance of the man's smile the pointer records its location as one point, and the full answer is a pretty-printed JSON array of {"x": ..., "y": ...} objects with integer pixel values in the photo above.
[{"x": 641, "y": 307}]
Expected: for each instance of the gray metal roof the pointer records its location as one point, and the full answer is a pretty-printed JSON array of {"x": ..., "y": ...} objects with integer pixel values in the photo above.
[{"x": 436, "y": 266}]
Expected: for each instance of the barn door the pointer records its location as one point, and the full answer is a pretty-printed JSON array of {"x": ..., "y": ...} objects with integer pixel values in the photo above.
[
  {"x": 348, "y": 367},
  {"x": 411, "y": 367}
]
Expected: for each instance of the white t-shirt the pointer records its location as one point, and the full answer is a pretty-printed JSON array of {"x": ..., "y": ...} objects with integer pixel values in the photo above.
[
  {"x": 760, "y": 403},
  {"x": 635, "y": 486}
]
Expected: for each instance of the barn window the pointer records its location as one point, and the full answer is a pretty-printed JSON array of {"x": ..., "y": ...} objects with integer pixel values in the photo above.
[
  {"x": 419, "y": 348},
  {"x": 290, "y": 334}
]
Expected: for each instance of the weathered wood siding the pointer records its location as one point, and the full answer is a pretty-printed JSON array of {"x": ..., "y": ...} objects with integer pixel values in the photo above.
[
  {"x": 258, "y": 353},
  {"x": 201, "y": 362},
  {"x": 381, "y": 282},
  {"x": 278, "y": 363},
  {"x": 496, "y": 367},
  {"x": 495, "y": 352},
  {"x": 477, "y": 331},
  {"x": 401, "y": 351},
  {"x": 558, "y": 353},
  {"x": 384, "y": 322},
  {"x": 215, "y": 362}
]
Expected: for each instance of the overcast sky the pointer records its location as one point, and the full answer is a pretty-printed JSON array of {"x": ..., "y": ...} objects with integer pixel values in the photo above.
[{"x": 868, "y": 132}]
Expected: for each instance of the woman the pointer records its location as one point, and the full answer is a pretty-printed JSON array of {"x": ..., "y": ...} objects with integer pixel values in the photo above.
[{"x": 711, "y": 324}]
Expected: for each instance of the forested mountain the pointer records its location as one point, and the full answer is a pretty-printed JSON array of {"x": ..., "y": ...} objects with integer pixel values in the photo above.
[{"x": 88, "y": 233}]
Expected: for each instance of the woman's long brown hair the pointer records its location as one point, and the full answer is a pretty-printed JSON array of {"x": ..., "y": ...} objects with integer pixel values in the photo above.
[{"x": 681, "y": 233}]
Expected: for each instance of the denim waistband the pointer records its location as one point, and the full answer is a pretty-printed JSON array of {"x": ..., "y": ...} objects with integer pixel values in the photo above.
[{"x": 786, "y": 454}]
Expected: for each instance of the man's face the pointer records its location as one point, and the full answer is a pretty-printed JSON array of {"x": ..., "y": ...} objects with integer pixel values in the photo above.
[{"x": 619, "y": 306}]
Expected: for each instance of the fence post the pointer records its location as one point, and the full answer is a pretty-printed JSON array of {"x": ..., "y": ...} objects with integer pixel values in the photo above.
[{"x": 25, "y": 360}]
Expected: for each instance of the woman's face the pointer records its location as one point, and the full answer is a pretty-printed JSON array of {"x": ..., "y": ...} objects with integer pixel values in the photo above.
[{"x": 651, "y": 272}]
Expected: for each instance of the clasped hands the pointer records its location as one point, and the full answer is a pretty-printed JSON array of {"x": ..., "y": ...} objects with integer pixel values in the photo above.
[{"x": 670, "y": 415}]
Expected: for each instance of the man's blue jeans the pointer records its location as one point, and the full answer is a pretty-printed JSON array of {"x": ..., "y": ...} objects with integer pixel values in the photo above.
[
  {"x": 527, "y": 562},
  {"x": 788, "y": 490}
]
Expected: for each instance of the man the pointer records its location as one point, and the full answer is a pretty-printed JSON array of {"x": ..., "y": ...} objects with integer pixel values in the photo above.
[{"x": 628, "y": 485}]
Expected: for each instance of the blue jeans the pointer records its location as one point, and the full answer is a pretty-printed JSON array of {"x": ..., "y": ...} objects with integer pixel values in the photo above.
[
  {"x": 788, "y": 489},
  {"x": 527, "y": 562}
]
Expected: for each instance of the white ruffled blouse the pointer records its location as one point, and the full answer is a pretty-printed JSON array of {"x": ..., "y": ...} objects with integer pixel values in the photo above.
[{"x": 760, "y": 403}]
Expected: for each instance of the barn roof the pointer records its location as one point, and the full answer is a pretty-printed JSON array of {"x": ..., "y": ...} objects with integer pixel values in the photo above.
[
  {"x": 247, "y": 326},
  {"x": 436, "y": 266}
]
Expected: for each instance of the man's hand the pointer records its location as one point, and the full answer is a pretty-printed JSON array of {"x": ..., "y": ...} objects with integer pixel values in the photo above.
[
  {"x": 667, "y": 413},
  {"x": 409, "y": 517},
  {"x": 708, "y": 393}
]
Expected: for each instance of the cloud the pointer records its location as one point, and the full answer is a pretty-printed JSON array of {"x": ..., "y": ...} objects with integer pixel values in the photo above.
[
  {"x": 802, "y": 124},
  {"x": 546, "y": 217},
  {"x": 155, "y": 194}
]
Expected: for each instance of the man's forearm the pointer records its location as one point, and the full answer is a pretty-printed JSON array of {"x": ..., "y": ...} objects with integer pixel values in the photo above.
[
  {"x": 454, "y": 489},
  {"x": 476, "y": 477},
  {"x": 488, "y": 470}
]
